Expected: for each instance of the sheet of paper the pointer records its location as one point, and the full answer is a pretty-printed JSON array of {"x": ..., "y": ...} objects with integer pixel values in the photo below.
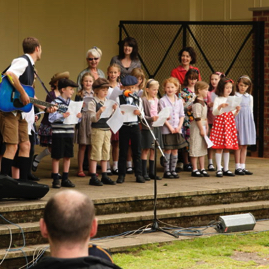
[
  {"x": 116, "y": 120},
  {"x": 207, "y": 140},
  {"x": 74, "y": 108},
  {"x": 128, "y": 115},
  {"x": 108, "y": 109},
  {"x": 115, "y": 93},
  {"x": 163, "y": 115},
  {"x": 86, "y": 101},
  {"x": 233, "y": 102}
]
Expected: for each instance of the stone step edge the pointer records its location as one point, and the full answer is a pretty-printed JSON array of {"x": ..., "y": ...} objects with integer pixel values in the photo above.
[
  {"x": 148, "y": 215},
  {"x": 41, "y": 204}
]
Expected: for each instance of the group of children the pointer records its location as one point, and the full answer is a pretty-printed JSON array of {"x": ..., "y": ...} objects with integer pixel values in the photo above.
[{"x": 196, "y": 111}]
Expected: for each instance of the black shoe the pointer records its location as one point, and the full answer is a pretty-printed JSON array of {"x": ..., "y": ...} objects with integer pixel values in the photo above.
[
  {"x": 228, "y": 173},
  {"x": 168, "y": 174},
  {"x": 33, "y": 177},
  {"x": 67, "y": 183},
  {"x": 219, "y": 173},
  {"x": 211, "y": 167},
  {"x": 174, "y": 174},
  {"x": 196, "y": 174},
  {"x": 115, "y": 172},
  {"x": 129, "y": 170},
  {"x": 162, "y": 161},
  {"x": 247, "y": 172},
  {"x": 120, "y": 179},
  {"x": 239, "y": 171},
  {"x": 140, "y": 179},
  {"x": 108, "y": 172},
  {"x": 34, "y": 167},
  {"x": 146, "y": 177},
  {"x": 107, "y": 181},
  {"x": 56, "y": 184},
  {"x": 59, "y": 176},
  {"x": 204, "y": 173},
  {"x": 153, "y": 177},
  {"x": 95, "y": 181},
  {"x": 187, "y": 167}
]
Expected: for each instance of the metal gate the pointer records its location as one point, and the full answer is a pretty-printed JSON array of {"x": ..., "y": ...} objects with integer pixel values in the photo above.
[{"x": 235, "y": 48}]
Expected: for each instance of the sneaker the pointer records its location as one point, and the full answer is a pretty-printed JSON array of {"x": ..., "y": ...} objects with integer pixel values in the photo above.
[
  {"x": 211, "y": 167},
  {"x": 107, "y": 181},
  {"x": 174, "y": 174},
  {"x": 129, "y": 170},
  {"x": 228, "y": 173},
  {"x": 196, "y": 174},
  {"x": 219, "y": 173},
  {"x": 187, "y": 167},
  {"x": 167, "y": 174},
  {"x": 204, "y": 173},
  {"x": 67, "y": 183},
  {"x": 140, "y": 179},
  {"x": 239, "y": 171},
  {"x": 247, "y": 172},
  {"x": 120, "y": 179},
  {"x": 95, "y": 181},
  {"x": 56, "y": 184},
  {"x": 34, "y": 167}
]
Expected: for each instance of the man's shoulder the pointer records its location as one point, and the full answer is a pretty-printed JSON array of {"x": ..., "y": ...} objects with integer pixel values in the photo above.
[{"x": 89, "y": 262}]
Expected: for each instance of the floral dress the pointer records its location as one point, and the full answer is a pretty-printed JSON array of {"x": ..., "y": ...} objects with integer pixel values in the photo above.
[{"x": 188, "y": 96}]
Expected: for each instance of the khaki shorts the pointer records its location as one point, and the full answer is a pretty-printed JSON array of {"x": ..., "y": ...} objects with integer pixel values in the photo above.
[
  {"x": 100, "y": 144},
  {"x": 13, "y": 128}
]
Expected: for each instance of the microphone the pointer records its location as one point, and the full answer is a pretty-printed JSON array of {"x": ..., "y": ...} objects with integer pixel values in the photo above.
[{"x": 128, "y": 93}]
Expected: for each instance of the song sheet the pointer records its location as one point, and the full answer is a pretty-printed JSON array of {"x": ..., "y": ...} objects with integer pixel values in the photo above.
[{"x": 74, "y": 108}]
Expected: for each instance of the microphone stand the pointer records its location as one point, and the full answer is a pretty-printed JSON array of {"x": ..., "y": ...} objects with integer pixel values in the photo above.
[{"x": 155, "y": 225}]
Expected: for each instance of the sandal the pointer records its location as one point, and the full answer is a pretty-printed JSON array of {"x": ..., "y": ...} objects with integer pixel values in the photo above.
[{"x": 81, "y": 174}]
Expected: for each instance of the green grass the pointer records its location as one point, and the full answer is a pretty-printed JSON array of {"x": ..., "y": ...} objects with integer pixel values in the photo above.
[{"x": 212, "y": 252}]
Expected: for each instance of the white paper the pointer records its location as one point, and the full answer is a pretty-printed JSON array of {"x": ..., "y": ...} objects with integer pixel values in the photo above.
[
  {"x": 233, "y": 102},
  {"x": 116, "y": 121},
  {"x": 129, "y": 115},
  {"x": 207, "y": 140},
  {"x": 108, "y": 109},
  {"x": 115, "y": 93},
  {"x": 86, "y": 101},
  {"x": 163, "y": 115},
  {"x": 74, "y": 108}
]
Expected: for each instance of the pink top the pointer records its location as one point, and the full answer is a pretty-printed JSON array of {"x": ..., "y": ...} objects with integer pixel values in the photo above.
[
  {"x": 153, "y": 107},
  {"x": 180, "y": 73},
  {"x": 210, "y": 116}
]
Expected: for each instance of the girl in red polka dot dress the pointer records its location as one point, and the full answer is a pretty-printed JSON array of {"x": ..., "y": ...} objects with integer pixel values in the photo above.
[{"x": 224, "y": 133}]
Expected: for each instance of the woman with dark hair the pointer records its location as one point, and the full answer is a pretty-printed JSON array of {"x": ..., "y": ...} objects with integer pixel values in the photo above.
[
  {"x": 128, "y": 57},
  {"x": 186, "y": 57}
]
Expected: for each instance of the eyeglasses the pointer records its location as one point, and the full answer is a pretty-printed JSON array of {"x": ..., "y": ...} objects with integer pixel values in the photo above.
[{"x": 91, "y": 59}]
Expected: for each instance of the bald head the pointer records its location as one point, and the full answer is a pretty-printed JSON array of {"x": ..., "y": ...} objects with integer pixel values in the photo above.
[{"x": 68, "y": 216}]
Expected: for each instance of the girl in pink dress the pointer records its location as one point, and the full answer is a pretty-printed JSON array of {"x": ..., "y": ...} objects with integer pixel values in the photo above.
[{"x": 224, "y": 133}]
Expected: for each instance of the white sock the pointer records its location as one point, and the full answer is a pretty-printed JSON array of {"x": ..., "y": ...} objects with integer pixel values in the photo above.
[
  {"x": 226, "y": 159},
  {"x": 115, "y": 165},
  {"x": 210, "y": 161},
  {"x": 243, "y": 165},
  {"x": 218, "y": 160},
  {"x": 42, "y": 154},
  {"x": 108, "y": 166},
  {"x": 237, "y": 166},
  {"x": 129, "y": 164}
]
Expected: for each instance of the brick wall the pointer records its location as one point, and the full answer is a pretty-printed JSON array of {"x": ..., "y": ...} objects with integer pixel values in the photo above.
[{"x": 263, "y": 15}]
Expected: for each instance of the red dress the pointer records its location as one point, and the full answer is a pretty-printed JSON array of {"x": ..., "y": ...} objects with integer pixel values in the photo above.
[
  {"x": 224, "y": 133},
  {"x": 180, "y": 73}
]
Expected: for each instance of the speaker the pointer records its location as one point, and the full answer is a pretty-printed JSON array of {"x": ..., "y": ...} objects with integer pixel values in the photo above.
[
  {"x": 27, "y": 189},
  {"x": 236, "y": 223}
]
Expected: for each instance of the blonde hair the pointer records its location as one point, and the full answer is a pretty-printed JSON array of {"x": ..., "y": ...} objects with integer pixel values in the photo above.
[
  {"x": 200, "y": 85},
  {"x": 81, "y": 81},
  {"x": 116, "y": 66},
  {"x": 151, "y": 82},
  {"x": 95, "y": 52},
  {"x": 138, "y": 72},
  {"x": 173, "y": 80}
]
